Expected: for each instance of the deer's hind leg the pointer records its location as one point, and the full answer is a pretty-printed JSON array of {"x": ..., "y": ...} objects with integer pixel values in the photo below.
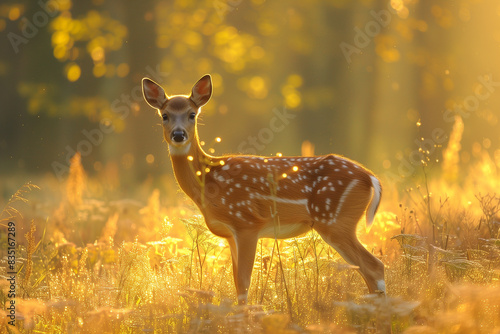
[{"x": 346, "y": 243}]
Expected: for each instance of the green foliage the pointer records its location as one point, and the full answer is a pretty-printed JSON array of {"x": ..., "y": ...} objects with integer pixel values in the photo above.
[{"x": 88, "y": 59}]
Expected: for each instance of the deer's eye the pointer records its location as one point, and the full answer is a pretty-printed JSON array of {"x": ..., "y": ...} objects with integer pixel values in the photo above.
[
  {"x": 165, "y": 117},
  {"x": 192, "y": 116}
]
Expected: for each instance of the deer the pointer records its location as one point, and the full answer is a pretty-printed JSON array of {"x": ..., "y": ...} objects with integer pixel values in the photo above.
[{"x": 244, "y": 197}]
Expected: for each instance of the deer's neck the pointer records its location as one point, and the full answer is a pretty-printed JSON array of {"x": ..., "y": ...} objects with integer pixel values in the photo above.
[{"x": 186, "y": 163}]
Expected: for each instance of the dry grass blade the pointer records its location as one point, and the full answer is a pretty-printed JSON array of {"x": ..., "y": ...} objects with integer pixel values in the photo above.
[
  {"x": 462, "y": 264},
  {"x": 9, "y": 212},
  {"x": 408, "y": 239},
  {"x": 30, "y": 237}
]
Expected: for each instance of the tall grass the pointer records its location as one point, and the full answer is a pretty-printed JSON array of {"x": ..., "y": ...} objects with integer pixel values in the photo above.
[{"x": 86, "y": 264}]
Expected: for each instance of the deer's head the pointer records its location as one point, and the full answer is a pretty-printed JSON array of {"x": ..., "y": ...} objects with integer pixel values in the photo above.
[{"x": 179, "y": 113}]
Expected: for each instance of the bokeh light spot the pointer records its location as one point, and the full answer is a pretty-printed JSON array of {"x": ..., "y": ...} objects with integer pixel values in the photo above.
[{"x": 73, "y": 72}]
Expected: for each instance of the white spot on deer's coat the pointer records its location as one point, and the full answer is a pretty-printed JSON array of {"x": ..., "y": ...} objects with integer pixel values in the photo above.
[
  {"x": 225, "y": 167},
  {"x": 284, "y": 200},
  {"x": 347, "y": 190}
]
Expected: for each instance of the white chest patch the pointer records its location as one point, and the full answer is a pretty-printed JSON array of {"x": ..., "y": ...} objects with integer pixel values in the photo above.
[{"x": 175, "y": 150}]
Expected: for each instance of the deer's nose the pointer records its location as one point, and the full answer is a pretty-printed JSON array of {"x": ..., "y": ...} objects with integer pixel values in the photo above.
[{"x": 179, "y": 136}]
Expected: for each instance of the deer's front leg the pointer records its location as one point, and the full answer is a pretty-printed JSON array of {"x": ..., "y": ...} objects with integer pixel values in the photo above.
[
  {"x": 234, "y": 257},
  {"x": 243, "y": 246}
]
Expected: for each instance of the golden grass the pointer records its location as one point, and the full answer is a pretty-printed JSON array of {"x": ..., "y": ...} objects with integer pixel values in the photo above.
[{"x": 121, "y": 266}]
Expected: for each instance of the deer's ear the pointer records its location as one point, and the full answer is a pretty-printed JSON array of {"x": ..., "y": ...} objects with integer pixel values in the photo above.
[
  {"x": 202, "y": 90},
  {"x": 153, "y": 94}
]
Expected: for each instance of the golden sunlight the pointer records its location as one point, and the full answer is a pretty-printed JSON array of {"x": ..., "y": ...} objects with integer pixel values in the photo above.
[{"x": 357, "y": 188}]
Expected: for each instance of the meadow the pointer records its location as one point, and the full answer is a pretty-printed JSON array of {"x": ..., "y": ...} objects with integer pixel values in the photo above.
[
  {"x": 91, "y": 258},
  {"x": 108, "y": 243}
]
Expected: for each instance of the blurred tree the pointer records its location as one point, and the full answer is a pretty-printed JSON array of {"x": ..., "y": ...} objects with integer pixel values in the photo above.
[{"x": 352, "y": 77}]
